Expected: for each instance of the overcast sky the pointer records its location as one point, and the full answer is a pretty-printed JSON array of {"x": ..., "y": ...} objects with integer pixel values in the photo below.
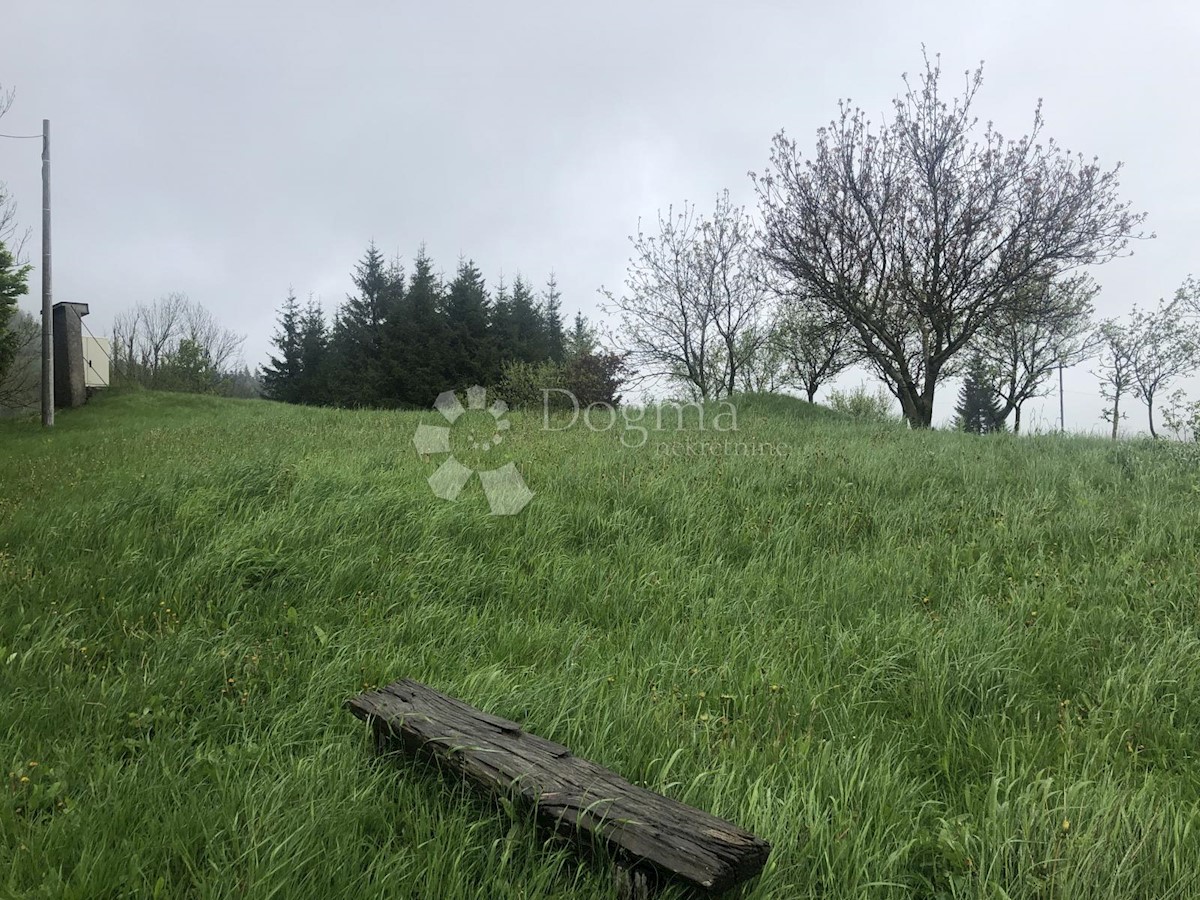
[{"x": 231, "y": 150}]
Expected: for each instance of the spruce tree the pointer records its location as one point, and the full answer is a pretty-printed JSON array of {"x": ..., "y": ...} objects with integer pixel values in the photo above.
[
  {"x": 417, "y": 340},
  {"x": 359, "y": 371},
  {"x": 526, "y": 326},
  {"x": 281, "y": 376},
  {"x": 314, "y": 353},
  {"x": 552, "y": 323},
  {"x": 979, "y": 408},
  {"x": 501, "y": 328},
  {"x": 469, "y": 352},
  {"x": 582, "y": 339}
]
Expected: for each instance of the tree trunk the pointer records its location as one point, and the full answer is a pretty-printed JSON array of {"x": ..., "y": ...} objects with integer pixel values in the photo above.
[
  {"x": 926, "y": 420},
  {"x": 918, "y": 413},
  {"x": 1017, "y": 419},
  {"x": 811, "y": 390},
  {"x": 1150, "y": 412},
  {"x": 908, "y": 409},
  {"x": 1116, "y": 413},
  {"x": 925, "y": 404}
]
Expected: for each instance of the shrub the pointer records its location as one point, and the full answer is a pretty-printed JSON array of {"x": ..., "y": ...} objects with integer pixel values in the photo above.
[
  {"x": 861, "y": 403},
  {"x": 588, "y": 378},
  {"x": 1182, "y": 417},
  {"x": 522, "y": 383},
  {"x": 596, "y": 378}
]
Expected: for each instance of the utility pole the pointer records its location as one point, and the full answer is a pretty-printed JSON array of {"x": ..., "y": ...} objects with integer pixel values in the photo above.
[
  {"x": 1062, "y": 409},
  {"x": 47, "y": 310}
]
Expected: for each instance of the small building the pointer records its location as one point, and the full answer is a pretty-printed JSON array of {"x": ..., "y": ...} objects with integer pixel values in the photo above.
[{"x": 70, "y": 366}]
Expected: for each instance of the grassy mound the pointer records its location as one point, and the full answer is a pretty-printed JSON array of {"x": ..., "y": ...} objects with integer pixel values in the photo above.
[{"x": 919, "y": 664}]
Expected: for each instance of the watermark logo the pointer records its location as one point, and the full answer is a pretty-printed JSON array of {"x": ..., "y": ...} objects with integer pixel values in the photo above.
[
  {"x": 638, "y": 421},
  {"x": 505, "y": 489}
]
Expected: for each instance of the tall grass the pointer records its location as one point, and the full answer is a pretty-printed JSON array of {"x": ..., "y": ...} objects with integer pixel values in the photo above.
[{"x": 921, "y": 665}]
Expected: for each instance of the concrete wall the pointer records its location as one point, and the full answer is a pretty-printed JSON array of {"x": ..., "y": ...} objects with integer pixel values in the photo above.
[{"x": 70, "y": 367}]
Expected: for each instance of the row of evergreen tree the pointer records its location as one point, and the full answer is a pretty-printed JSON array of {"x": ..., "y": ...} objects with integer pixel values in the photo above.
[{"x": 402, "y": 338}]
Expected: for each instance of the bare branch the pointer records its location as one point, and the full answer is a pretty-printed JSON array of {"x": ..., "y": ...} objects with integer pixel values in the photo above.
[
  {"x": 695, "y": 295},
  {"x": 1116, "y": 349},
  {"x": 921, "y": 232},
  {"x": 1164, "y": 349},
  {"x": 1048, "y": 324}
]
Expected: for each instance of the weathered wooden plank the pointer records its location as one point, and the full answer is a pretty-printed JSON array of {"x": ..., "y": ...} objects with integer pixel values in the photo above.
[{"x": 575, "y": 796}]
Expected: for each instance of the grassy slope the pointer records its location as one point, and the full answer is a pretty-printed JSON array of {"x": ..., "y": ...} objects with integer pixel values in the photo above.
[{"x": 903, "y": 658}]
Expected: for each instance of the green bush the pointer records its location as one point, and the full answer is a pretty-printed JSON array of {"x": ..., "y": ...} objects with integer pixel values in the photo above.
[
  {"x": 861, "y": 403},
  {"x": 586, "y": 379},
  {"x": 522, "y": 383}
]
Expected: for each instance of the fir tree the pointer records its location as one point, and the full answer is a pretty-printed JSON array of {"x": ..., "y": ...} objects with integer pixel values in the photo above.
[
  {"x": 526, "y": 328},
  {"x": 314, "y": 352},
  {"x": 501, "y": 327},
  {"x": 400, "y": 342},
  {"x": 359, "y": 370},
  {"x": 582, "y": 339},
  {"x": 469, "y": 356},
  {"x": 552, "y": 323},
  {"x": 979, "y": 408},
  {"x": 281, "y": 376},
  {"x": 417, "y": 340}
]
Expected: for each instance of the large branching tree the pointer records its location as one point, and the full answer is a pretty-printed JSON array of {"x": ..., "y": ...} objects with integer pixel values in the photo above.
[
  {"x": 920, "y": 232},
  {"x": 695, "y": 295},
  {"x": 1048, "y": 325}
]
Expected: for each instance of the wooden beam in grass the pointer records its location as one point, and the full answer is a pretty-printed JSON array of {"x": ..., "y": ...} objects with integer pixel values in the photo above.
[{"x": 652, "y": 837}]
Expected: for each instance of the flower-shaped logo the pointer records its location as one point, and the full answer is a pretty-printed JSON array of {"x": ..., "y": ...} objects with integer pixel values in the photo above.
[{"x": 504, "y": 487}]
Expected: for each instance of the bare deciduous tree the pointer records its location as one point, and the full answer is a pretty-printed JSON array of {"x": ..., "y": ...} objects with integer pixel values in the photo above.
[
  {"x": 147, "y": 337},
  {"x": 161, "y": 328},
  {"x": 818, "y": 346},
  {"x": 1164, "y": 350},
  {"x": 764, "y": 367},
  {"x": 1189, "y": 296},
  {"x": 695, "y": 295},
  {"x": 919, "y": 233},
  {"x": 222, "y": 346},
  {"x": 1182, "y": 416},
  {"x": 1025, "y": 342},
  {"x": 126, "y": 338},
  {"x": 1116, "y": 348},
  {"x": 9, "y": 233}
]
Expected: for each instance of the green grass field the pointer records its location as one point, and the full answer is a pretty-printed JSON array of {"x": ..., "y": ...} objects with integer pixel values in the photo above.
[{"x": 920, "y": 664}]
